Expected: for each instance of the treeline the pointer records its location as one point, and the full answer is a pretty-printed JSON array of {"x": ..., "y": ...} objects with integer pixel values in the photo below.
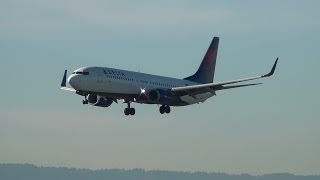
[{"x": 31, "y": 172}]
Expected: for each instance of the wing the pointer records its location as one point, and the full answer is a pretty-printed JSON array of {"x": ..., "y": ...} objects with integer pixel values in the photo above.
[
  {"x": 64, "y": 83},
  {"x": 212, "y": 87}
]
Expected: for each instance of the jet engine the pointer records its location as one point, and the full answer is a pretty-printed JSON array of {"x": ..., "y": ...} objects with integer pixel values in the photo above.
[
  {"x": 158, "y": 96},
  {"x": 101, "y": 101}
]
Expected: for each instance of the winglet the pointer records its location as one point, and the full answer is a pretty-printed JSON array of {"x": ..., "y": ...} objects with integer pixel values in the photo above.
[
  {"x": 64, "y": 79},
  {"x": 272, "y": 70}
]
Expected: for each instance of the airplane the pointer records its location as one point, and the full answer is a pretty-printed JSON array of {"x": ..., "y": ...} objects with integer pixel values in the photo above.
[{"x": 102, "y": 86}]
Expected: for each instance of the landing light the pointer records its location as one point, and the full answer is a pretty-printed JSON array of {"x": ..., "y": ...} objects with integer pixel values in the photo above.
[{"x": 143, "y": 91}]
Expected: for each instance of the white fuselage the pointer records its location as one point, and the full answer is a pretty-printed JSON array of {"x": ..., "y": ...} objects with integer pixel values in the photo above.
[{"x": 122, "y": 82}]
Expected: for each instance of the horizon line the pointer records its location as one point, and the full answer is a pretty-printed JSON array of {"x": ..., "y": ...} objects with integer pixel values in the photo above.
[{"x": 160, "y": 170}]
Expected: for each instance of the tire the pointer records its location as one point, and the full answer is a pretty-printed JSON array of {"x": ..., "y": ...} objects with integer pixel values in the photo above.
[
  {"x": 167, "y": 109},
  {"x": 126, "y": 111},
  {"x": 162, "y": 109},
  {"x": 132, "y": 111}
]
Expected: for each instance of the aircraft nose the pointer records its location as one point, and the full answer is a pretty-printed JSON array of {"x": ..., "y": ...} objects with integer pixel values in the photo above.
[{"x": 72, "y": 80}]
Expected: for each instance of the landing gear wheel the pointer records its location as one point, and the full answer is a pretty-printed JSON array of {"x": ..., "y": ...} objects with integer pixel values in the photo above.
[
  {"x": 164, "y": 109},
  {"x": 167, "y": 109},
  {"x": 126, "y": 111},
  {"x": 132, "y": 111}
]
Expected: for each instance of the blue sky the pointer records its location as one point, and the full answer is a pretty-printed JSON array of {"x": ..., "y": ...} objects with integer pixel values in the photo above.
[{"x": 273, "y": 127}]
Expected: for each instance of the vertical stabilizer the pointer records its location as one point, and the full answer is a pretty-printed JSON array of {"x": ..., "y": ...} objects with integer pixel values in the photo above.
[{"x": 205, "y": 73}]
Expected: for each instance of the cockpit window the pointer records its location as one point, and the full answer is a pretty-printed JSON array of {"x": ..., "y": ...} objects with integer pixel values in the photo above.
[{"x": 80, "y": 72}]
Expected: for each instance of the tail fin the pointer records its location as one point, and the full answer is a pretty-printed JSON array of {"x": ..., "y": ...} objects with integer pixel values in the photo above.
[{"x": 205, "y": 73}]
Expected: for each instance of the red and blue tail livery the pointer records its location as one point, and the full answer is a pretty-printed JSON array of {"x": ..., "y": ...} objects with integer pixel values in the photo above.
[
  {"x": 102, "y": 86},
  {"x": 205, "y": 73}
]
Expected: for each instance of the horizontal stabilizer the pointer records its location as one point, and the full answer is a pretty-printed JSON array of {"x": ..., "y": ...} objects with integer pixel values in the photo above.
[{"x": 64, "y": 79}]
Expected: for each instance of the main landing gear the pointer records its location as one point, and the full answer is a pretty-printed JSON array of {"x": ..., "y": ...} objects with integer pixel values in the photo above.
[
  {"x": 129, "y": 111},
  {"x": 164, "y": 109}
]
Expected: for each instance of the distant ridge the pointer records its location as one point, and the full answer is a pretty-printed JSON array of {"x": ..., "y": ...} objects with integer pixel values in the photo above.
[{"x": 32, "y": 172}]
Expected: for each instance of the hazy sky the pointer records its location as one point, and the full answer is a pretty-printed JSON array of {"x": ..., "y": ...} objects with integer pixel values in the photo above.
[{"x": 274, "y": 127}]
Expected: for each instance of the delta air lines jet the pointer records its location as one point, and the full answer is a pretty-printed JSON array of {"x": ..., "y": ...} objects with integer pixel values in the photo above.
[{"x": 101, "y": 86}]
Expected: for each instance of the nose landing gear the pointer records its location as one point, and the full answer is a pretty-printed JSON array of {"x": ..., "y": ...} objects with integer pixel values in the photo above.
[
  {"x": 85, "y": 101},
  {"x": 129, "y": 111}
]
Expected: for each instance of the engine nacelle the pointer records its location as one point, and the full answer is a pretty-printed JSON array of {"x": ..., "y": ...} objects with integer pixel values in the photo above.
[
  {"x": 96, "y": 100},
  {"x": 158, "y": 95}
]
